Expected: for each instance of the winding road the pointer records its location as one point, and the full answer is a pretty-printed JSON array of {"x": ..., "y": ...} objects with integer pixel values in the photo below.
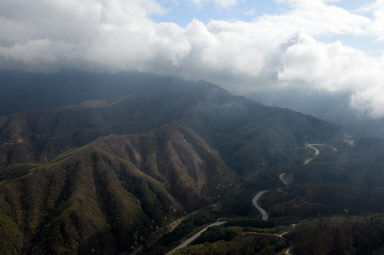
[
  {"x": 317, "y": 152},
  {"x": 283, "y": 179},
  {"x": 195, "y": 236},
  {"x": 255, "y": 202}
]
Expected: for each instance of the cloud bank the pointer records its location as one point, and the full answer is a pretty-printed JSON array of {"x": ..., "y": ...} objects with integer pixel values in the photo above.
[{"x": 271, "y": 50}]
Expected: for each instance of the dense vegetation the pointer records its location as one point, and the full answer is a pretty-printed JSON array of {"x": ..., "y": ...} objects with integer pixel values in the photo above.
[
  {"x": 241, "y": 245},
  {"x": 340, "y": 235}
]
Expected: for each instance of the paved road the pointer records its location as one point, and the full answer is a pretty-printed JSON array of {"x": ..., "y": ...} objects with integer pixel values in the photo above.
[
  {"x": 288, "y": 252},
  {"x": 195, "y": 236},
  {"x": 312, "y": 146},
  {"x": 255, "y": 202},
  {"x": 283, "y": 179},
  {"x": 317, "y": 152}
]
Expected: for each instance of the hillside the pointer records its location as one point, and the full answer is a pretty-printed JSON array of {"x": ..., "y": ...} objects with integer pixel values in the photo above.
[
  {"x": 337, "y": 235},
  {"x": 110, "y": 194}
]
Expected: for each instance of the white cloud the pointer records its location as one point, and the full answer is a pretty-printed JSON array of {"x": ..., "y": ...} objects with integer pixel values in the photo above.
[
  {"x": 376, "y": 27},
  {"x": 370, "y": 101},
  {"x": 316, "y": 18},
  {"x": 272, "y": 50},
  {"x": 335, "y": 67},
  {"x": 219, "y": 3},
  {"x": 225, "y": 3}
]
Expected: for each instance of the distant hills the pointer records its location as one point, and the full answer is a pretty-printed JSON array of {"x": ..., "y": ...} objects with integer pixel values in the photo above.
[{"x": 330, "y": 106}]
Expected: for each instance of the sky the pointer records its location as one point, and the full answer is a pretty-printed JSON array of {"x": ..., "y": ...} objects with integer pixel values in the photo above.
[{"x": 243, "y": 45}]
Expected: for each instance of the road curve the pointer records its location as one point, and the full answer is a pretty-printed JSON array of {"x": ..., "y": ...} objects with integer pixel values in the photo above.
[
  {"x": 317, "y": 152},
  {"x": 312, "y": 146},
  {"x": 283, "y": 179},
  {"x": 195, "y": 236},
  {"x": 288, "y": 251},
  {"x": 255, "y": 202}
]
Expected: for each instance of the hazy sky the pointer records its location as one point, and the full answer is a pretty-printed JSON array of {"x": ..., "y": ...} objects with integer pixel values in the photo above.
[{"x": 240, "y": 44}]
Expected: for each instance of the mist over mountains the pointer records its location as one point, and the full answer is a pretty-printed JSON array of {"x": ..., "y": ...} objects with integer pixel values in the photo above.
[{"x": 330, "y": 106}]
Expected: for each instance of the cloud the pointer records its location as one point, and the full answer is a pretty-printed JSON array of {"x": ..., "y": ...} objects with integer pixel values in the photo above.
[
  {"x": 219, "y": 3},
  {"x": 370, "y": 101},
  {"x": 271, "y": 50},
  {"x": 335, "y": 67},
  {"x": 37, "y": 55},
  {"x": 317, "y": 18},
  {"x": 225, "y": 3},
  {"x": 376, "y": 27}
]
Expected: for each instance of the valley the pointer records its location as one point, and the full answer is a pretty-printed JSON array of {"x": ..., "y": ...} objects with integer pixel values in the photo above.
[{"x": 282, "y": 177}]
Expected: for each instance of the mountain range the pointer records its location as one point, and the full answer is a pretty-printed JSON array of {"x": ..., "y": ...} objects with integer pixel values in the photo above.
[{"x": 96, "y": 163}]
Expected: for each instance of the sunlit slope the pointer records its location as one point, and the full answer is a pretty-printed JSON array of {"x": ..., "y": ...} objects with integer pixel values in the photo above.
[{"x": 111, "y": 193}]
